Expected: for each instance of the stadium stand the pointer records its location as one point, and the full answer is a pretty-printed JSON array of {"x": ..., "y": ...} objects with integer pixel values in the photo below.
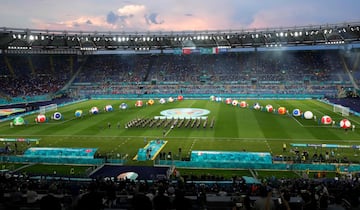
[{"x": 35, "y": 80}]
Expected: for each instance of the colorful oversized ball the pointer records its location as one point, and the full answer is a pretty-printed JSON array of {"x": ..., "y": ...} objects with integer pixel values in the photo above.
[
  {"x": 162, "y": 101},
  {"x": 326, "y": 120},
  {"x": 243, "y": 104},
  {"x": 150, "y": 102},
  {"x": 296, "y": 112},
  {"x": 57, "y": 116},
  {"x": 269, "y": 108},
  {"x": 123, "y": 106},
  {"x": 308, "y": 115},
  {"x": 109, "y": 108},
  {"x": 180, "y": 98},
  {"x": 18, "y": 121},
  {"x": 228, "y": 101},
  {"x": 94, "y": 110},
  {"x": 218, "y": 99},
  {"x": 345, "y": 124},
  {"x": 235, "y": 102},
  {"x": 139, "y": 103},
  {"x": 212, "y": 98},
  {"x": 170, "y": 99},
  {"x": 78, "y": 113},
  {"x": 282, "y": 110},
  {"x": 257, "y": 106},
  {"x": 40, "y": 118}
]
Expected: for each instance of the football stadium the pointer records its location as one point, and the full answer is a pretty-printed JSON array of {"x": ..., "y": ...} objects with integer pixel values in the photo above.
[{"x": 211, "y": 119}]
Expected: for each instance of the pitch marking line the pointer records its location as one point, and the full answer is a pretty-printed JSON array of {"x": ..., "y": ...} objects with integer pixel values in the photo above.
[{"x": 193, "y": 138}]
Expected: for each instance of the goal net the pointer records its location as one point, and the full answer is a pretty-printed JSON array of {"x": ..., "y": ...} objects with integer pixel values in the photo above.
[
  {"x": 341, "y": 109},
  {"x": 47, "y": 108}
]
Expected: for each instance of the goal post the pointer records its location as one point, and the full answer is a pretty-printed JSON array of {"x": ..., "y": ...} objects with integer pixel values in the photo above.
[
  {"x": 341, "y": 109},
  {"x": 47, "y": 108}
]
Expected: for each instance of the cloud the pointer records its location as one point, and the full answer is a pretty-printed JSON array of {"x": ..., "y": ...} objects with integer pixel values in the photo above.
[
  {"x": 112, "y": 18},
  {"x": 153, "y": 18},
  {"x": 132, "y": 10}
]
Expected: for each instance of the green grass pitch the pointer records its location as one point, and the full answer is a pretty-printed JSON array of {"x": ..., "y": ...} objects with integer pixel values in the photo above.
[{"x": 235, "y": 128}]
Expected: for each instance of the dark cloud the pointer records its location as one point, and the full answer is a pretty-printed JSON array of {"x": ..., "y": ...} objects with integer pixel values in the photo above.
[
  {"x": 188, "y": 14},
  {"x": 153, "y": 18},
  {"x": 112, "y": 18},
  {"x": 89, "y": 22},
  {"x": 76, "y": 24}
]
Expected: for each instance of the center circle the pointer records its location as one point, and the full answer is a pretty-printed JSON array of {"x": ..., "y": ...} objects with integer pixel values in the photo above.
[{"x": 185, "y": 113}]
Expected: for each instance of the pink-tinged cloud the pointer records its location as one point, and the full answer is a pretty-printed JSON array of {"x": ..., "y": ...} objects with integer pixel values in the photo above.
[{"x": 283, "y": 17}]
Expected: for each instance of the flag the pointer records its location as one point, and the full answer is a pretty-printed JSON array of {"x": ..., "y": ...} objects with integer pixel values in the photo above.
[
  {"x": 215, "y": 50},
  {"x": 206, "y": 51},
  {"x": 177, "y": 51},
  {"x": 186, "y": 51}
]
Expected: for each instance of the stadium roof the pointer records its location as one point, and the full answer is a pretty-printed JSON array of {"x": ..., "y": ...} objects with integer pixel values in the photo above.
[{"x": 15, "y": 40}]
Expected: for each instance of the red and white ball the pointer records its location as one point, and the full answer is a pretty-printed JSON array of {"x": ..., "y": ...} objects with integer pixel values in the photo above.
[
  {"x": 269, "y": 108},
  {"x": 326, "y": 120},
  {"x": 180, "y": 98},
  {"x": 243, "y": 104},
  {"x": 345, "y": 124},
  {"x": 139, "y": 103},
  {"x": 228, "y": 101},
  {"x": 40, "y": 118}
]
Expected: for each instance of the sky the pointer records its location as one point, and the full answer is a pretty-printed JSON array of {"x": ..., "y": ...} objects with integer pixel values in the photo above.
[{"x": 174, "y": 15}]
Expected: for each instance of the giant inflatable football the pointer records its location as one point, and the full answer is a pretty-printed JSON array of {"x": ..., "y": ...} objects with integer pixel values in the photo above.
[
  {"x": 57, "y": 116},
  {"x": 139, "y": 103},
  {"x": 282, "y": 110},
  {"x": 123, "y": 106},
  {"x": 162, "y": 101},
  {"x": 243, "y": 104},
  {"x": 296, "y": 112},
  {"x": 40, "y": 118},
  {"x": 108, "y": 108},
  {"x": 78, "y": 113},
  {"x": 269, "y": 108},
  {"x": 18, "y": 121},
  {"x": 308, "y": 115},
  {"x": 326, "y": 120},
  {"x": 94, "y": 110},
  {"x": 345, "y": 124}
]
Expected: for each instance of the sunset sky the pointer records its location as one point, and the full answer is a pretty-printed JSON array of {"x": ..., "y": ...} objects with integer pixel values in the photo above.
[{"x": 173, "y": 15}]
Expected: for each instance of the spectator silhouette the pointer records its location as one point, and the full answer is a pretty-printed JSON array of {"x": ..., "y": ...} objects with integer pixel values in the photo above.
[
  {"x": 180, "y": 202},
  {"x": 140, "y": 201},
  {"x": 50, "y": 201},
  {"x": 264, "y": 202},
  {"x": 161, "y": 201},
  {"x": 91, "y": 199}
]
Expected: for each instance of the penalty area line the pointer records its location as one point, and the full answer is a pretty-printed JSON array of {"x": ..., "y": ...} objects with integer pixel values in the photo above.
[{"x": 297, "y": 121}]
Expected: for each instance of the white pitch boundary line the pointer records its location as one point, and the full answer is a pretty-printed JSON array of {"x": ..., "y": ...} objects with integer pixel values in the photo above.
[
  {"x": 297, "y": 121},
  {"x": 196, "y": 138},
  {"x": 191, "y": 147},
  {"x": 268, "y": 146}
]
